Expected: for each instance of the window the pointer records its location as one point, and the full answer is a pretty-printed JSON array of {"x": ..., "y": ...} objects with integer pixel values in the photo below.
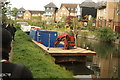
[
  {"x": 33, "y": 14},
  {"x": 71, "y": 14},
  {"x": 26, "y": 14},
  {"x": 56, "y": 14},
  {"x": 75, "y": 9},
  {"x": 104, "y": 11},
  {"x": 72, "y": 9},
  {"x": 68, "y": 8},
  {"x": 39, "y": 14},
  {"x": 61, "y": 14},
  {"x": 47, "y": 12},
  {"x": 63, "y": 9},
  {"x": 65, "y": 13}
]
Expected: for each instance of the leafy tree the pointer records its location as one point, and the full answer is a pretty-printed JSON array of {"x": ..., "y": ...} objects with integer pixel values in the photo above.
[
  {"x": 4, "y": 18},
  {"x": 14, "y": 11},
  {"x": 69, "y": 20},
  {"x": 4, "y": 10},
  {"x": 75, "y": 26}
]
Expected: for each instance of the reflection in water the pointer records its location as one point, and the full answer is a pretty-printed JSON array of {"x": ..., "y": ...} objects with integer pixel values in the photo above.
[
  {"x": 77, "y": 68},
  {"x": 103, "y": 65}
]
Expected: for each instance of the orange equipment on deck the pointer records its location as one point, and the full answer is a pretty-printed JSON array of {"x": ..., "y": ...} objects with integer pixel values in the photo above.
[{"x": 68, "y": 40}]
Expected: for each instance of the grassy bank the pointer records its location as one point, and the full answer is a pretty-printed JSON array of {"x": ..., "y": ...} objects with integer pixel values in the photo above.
[{"x": 41, "y": 65}]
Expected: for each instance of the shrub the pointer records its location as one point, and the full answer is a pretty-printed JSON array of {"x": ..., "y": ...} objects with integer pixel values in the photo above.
[
  {"x": 105, "y": 34},
  {"x": 61, "y": 25}
]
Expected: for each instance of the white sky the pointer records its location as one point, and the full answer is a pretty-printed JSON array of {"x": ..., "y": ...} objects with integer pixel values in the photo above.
[{"x": 39, "y": 4}]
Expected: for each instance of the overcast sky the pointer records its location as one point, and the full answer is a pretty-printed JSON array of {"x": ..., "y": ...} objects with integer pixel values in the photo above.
[{"x": 39, "y": 4}]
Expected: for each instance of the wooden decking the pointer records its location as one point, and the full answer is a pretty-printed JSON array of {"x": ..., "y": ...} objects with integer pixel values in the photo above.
[
  {"x": 60, "y": 52},
  {"x": 60, "y": 55}
]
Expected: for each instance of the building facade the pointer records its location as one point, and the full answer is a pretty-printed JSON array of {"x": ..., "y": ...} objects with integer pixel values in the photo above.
[
  {"x": 65, "y": 11},
  {"x": 88, "y": 8},
  {"x": 20, "y": 13},
  {"x": 50, "y": 10},
  {"x": 30, "y": 13},
  {"x": 108, "y": 15}
]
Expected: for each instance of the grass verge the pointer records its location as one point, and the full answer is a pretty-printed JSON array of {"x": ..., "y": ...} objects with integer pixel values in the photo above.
[{"x": 41, "y": 65}]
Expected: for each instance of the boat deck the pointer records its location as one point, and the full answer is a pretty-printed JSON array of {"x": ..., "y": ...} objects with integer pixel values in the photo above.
[{"x": 58, "y": 51}]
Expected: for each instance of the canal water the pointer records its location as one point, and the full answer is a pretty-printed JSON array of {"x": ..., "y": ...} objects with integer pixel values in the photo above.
[{"x": 105, "y": 64}]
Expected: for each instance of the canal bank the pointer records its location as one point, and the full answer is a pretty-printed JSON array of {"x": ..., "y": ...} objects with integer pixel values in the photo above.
[
  {"x": 114, "y": 37},
  {"x": 41, "y": 65},
  {"x": 103, "y": 65}
]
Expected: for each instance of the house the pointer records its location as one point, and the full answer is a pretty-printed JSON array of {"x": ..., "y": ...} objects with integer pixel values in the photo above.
[
  {"x": 101, "y": 14},
  {"x": 87, "y": 8},
  {"x": 65, "y": 11},
  {"x": 20, "y": 13},
  {"x": 29, "y": 13},
  {"x": 108, "y": 15},
  {"x": 50, "y": 10}
]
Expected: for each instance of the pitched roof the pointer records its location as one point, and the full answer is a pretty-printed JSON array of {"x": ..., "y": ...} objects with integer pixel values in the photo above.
[
  {"x": 36, "y": 12},
  {"x": 51, "y": 4},
  {"x": 70, "y": 7},
  {"x": 101, "y": 5},
  {"x": 88, "y": 3},
  {"x": 19, "y": 12},
  {"x": 21, "y": 9}
]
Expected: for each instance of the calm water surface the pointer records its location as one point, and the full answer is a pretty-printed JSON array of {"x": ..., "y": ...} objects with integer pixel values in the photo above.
[{"x": 104, "y": 65}]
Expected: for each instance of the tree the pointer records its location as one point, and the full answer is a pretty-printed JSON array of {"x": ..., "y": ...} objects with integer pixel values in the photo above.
[
  {"x": 3, "y": 7},
  {"x": 70, "y": 21},
  {"x": 14, "y": 12},
  {"x": 75, "y": 26},
  {"x": 4, "y": 18}
]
